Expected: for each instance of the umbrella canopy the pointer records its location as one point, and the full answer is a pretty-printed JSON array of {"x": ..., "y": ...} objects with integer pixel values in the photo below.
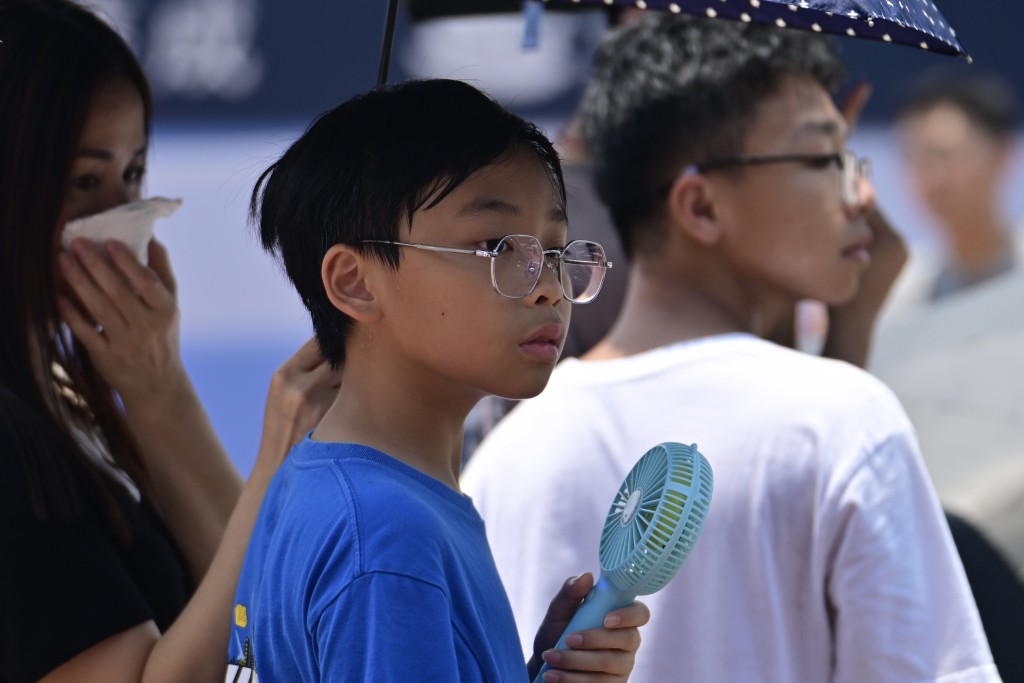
[{"x": 917, "y": 23}]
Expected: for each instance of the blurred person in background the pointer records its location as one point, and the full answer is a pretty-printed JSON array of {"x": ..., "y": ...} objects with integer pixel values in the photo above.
[
  {"x": 125, "y": 523},
  {"x": 949, "y": 337},
  {"x": 957, "y": 131}
]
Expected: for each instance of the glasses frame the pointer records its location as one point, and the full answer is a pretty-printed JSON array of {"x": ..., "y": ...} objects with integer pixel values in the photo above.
[
  {"x": 846, "y": 161},
  {"x": 556, "y": 255}
]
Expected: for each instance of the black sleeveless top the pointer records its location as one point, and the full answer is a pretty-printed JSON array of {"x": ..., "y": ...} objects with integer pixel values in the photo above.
[{"x": 68, "y": 585}]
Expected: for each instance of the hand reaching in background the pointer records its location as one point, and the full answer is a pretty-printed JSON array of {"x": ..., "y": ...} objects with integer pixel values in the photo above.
[{"x": 301, "y": 391}]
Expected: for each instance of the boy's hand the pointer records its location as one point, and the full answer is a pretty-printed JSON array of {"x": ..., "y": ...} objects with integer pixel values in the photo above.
[
  {"x": 851, "y": 326},
  {"x": 601, "y": 654}
]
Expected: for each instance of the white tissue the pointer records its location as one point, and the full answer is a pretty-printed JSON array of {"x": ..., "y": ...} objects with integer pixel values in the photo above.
[{"x": 131, "y": 224}]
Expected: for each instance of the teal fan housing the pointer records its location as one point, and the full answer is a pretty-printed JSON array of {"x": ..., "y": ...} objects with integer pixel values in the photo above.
[{"x": 651, "y": 528}]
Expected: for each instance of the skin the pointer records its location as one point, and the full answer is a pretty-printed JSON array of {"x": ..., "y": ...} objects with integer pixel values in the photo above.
[
  {"x": 956, "y": 169},
  {"x": 742, "y": 247},
  {"x": 109, "y": 164},
  {"x": 208, "y": 509},
  {"x": 433, "y": 337}
]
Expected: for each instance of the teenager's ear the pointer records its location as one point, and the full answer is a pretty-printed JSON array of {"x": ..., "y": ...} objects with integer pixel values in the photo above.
[
  {"x": 691, "y": 209},
  {"x": 344, "y": 274}
]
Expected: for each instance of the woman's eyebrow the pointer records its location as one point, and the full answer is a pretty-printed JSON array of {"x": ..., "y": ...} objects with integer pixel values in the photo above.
[{"x": 104, "y": 154}]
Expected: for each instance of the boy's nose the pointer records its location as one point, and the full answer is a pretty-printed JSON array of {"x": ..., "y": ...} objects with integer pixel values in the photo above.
[
  {"x": 549, "y": 286},
  {"x": 866, "y": 199}
]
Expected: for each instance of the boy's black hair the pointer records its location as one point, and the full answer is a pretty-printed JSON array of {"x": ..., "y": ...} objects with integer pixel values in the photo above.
[
  {"x": 362, "y": 169},
  {"x": 986, "y": 99},
  {"x": 670, "y": 91}
]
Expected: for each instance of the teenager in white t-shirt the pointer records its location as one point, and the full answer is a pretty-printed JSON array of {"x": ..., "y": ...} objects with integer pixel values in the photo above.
[{"x": 825, "y": 555}]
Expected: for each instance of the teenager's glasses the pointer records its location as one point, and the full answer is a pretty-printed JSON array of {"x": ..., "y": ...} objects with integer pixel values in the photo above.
[
  {"x": 852, "y": 169},
  {"x": 517, "y": 262}
]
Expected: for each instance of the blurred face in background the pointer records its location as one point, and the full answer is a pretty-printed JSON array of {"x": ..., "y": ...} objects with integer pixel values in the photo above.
[{"x": 954, "y": 166}]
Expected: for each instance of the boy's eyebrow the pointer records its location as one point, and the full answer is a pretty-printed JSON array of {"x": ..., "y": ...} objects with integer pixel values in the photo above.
[
  {"x": 490, "y": 205},
  {"x": 829, "y": 128}
]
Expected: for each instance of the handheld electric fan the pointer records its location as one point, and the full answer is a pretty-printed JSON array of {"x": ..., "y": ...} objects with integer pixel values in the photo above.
[{"x": 650, "y": 530}]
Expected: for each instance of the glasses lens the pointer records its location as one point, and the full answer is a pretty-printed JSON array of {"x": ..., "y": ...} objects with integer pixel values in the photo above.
[
  {"x": 518, "y": 265},
  {"x": 583, "y": 268}
]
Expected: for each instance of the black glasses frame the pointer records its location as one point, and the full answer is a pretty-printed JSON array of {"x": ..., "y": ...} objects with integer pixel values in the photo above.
[{"x": 845, "y": 160}]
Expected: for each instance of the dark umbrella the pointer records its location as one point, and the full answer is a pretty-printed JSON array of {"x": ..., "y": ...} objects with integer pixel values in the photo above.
[{"x": 917, "y": 23}]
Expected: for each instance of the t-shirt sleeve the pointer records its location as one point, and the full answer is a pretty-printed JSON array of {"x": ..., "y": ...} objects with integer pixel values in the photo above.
[
  {"x": 388, "y": 628},
  {"x": 903, "y": 608}
]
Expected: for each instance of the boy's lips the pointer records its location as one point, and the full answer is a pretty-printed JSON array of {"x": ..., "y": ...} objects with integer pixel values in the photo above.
[
  {"x": 544, "y": 342},
  {"x": 859, "y": 251}
]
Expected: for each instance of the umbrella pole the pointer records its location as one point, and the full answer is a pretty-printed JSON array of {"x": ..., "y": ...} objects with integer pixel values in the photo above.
[{"x": 389, "y": 37}]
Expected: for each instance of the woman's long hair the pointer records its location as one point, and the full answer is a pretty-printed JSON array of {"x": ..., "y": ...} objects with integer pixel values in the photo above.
[{"x": 54, "y": 56}]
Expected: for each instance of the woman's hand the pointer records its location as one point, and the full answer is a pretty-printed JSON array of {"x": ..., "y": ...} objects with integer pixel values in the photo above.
[
  {"x": 126, "y": 316},
  {"x": 300, "y": 393},
  {"x": 603, "y": 654}
]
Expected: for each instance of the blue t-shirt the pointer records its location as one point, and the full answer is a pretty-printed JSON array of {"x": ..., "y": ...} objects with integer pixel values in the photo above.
[{"x": 361, "y": 568}]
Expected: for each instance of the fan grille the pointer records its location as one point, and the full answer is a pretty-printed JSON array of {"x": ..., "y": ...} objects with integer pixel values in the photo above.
[{"x": 642, "y": 550}]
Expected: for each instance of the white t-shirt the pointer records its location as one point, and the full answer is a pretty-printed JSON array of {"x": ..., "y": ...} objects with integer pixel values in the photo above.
[{"x": 825, "y": 555}]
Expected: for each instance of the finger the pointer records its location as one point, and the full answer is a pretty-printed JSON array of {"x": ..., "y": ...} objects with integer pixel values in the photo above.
[
  {"x": 307, "y": 358},
  {"x": 160, "y": 263},
  {"x": 95, "y": 301},
  {"x": 631, "y": 616},
  {"x": 610, "y": 662},
  {"x": 625, "y": 639},
  {"x": 145, "y": 283},
  {"x": 85, "y": 332},
  {"x": 108, "y": 277},
  {"x": 323, "y": 378},
  {"x": 567, "y": 601},
  {"x": 853, "y": 106}
]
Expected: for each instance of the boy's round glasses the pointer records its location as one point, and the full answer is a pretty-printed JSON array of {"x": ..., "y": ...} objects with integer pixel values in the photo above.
[
  {"x": 852, "y": 169},
  {"x": 517, "y": 263}
]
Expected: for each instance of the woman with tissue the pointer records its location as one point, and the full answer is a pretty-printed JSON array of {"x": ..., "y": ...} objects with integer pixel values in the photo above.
[{"x": 124, "y": 522}]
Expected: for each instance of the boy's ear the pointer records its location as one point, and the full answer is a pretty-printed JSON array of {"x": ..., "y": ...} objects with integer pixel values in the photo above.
[
  {"x": 344, "y": 273},
  {"x": 691, "y": 209}
]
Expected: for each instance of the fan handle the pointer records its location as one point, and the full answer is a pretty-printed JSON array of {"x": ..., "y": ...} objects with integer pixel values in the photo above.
[{"x": 602, "y": 599}]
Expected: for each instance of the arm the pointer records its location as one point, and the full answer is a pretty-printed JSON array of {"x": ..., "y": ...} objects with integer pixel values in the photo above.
[
  {"x": 194, "y": 647},
  {"x": 599, "y": 654},
  {"x": 209, "y": 512},
  {"x": 137, "y": 351}
]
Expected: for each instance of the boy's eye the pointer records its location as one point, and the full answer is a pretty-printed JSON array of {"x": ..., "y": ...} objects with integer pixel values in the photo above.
[{"x": 491, "y": 245}]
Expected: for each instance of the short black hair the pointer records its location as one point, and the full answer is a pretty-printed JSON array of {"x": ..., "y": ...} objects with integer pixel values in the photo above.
[
  {"x": 364, "y": 168},
  {"x": 673, "y": 90},
  {"x": 987, "y": 99}
]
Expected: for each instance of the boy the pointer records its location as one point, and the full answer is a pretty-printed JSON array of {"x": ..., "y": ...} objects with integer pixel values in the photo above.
[
  {"x": 825, "y": 556},
  {"x": 424, "y": 229}
]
